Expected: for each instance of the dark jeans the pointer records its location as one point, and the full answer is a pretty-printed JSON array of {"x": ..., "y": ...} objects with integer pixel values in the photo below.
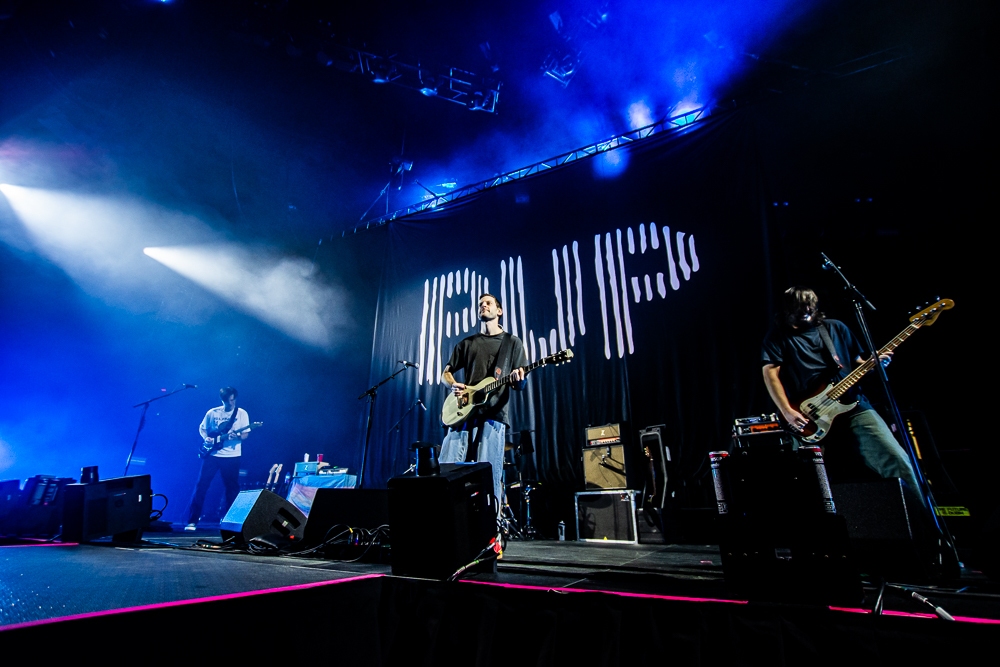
[
  {"x": 229, "y": 468},
  {"x": 863, "y": 438}
]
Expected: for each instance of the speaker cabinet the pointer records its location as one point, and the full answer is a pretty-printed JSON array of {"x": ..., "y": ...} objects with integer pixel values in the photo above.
[
  {"x": 117, "y": 507},
  {"x": 440, "y": 523},
  {"x": 10, "y": 496},
  {"x": 259, "y": 512},
  {"x": 606, "y": 516},
  {"x": 779, "y": 539},
  {"x": 354, "y": 508},
  {"x": 883, "y": 522},
  {"x": 38, "y": 508},
  {"x": 604, "y": 467}
]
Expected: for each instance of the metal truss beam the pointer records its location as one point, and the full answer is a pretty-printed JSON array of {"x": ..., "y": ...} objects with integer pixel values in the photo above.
[
  {"x": 671, "y": 124},
  {"x": 456, "y": 85},
  {"x": 268, "y": 24}
]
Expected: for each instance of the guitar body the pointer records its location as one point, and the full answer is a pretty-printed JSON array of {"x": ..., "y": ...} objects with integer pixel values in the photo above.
[
  {"x": 459, "y": 408},
  {"x": 824, "y": 406},
  {"x": 219, "y": 441},
  {"x": 821, "y": 410},
  {"x": 208, "y": 448}
]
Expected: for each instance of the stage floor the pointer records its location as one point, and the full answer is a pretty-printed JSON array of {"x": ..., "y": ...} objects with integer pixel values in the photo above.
[{"x": 46, "y": 581}]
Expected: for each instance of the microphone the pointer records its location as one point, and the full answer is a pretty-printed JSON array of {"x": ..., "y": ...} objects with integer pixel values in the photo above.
[
  {"x": 409, "y": 363},
  {"x": 827, "y": 263},
  {"x": 421, "y": 404},
  {"x": 190, "y": 386}
]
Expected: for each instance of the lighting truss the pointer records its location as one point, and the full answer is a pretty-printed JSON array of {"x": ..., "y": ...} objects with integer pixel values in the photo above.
[
  {"x": 270, "y": 23},
  {"x": 674, "y": 123},
  {"x": 454, "y": 85}
]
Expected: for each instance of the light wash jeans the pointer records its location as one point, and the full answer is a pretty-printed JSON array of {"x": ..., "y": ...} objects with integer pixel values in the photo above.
[{"x": 491, "y": 442}]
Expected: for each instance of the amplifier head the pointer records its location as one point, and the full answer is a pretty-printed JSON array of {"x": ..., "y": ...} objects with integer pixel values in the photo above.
[{"x": 602, "y": 432}]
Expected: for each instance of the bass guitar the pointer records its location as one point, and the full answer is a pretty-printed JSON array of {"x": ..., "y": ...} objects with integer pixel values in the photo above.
[
  {"x": 217, "y": 441},
  {"x": 459, "y": 407},
  {"x": 823, "y": 407}
]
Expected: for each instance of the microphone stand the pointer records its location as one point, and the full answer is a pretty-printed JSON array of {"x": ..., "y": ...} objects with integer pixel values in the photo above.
[
  {"x": 372, "y": 393},
  {"x": 860, "y": 301},
  {"x": 395, "y": 427},
  {"x": 142, "y": 422}
]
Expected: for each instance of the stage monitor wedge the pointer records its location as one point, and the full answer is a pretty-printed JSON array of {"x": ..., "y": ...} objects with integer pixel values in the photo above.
[{"x": 259, "y": 512}]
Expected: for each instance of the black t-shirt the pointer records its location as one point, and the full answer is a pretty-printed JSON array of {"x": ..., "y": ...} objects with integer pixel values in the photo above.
[
  {"x": 476, "y": 357},
  {"x": 806, "y": 366}
]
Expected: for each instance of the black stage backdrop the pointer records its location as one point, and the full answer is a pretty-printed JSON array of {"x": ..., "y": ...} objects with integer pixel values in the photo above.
[{"x": 640, "y": 274}]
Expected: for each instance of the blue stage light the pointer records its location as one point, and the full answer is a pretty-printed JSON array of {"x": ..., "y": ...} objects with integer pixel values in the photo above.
[{"x": 610, "y": 164}]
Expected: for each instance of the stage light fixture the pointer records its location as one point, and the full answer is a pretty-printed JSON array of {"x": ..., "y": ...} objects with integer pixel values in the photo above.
[
  {"x": 563, "y": 60},
  {"x": 385, "y": 67},
  {"x": 428, "y": 86},
  {"x": 477, "y": 102},
  {"x": 561, "y": 64},
  {"x": 383, "y": 72}
]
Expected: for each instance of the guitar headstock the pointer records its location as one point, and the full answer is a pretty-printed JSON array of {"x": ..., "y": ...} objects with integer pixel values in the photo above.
[
  {"x": 560, "y": 357},
  {"x": 930, "y": 313}
]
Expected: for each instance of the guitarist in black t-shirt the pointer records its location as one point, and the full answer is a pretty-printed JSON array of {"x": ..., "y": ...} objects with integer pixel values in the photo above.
[
  {"x": 496, "y": 354},
  {"x": 803, "y": 352}
]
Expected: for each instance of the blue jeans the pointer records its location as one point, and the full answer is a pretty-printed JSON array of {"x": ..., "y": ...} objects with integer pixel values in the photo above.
[{"x": 455, "y": 449}]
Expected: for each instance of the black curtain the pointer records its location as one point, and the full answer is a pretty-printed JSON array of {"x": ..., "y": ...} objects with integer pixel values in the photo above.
[{"x": 649, "y": 262}]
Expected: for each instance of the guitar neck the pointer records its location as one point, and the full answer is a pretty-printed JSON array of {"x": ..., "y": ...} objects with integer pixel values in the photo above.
[
  {"x": 855, "y": 376},
  {"x": 496, "y": 384}
]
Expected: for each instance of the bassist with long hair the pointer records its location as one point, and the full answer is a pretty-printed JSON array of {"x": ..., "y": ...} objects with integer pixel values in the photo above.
[{"x": 803, "y": 352}]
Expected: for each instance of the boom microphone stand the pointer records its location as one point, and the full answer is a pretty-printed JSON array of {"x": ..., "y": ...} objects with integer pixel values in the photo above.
[
  {"x": 860, "y": 301},
  {"x": 142, "y": 421},
  {"x": 372, "y": 393}
]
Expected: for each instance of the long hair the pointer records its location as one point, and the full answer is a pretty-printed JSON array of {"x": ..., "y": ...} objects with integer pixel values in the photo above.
[{"x": 797, "y": 301}]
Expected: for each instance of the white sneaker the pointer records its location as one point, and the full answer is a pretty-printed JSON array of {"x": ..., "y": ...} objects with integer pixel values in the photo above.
[{"x": 191, "y": 526}]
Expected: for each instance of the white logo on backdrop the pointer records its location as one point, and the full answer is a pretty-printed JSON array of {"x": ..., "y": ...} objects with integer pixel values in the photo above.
[{"x": 450, "y": 300}]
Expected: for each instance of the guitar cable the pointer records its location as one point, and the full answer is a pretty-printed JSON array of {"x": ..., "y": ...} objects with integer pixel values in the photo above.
[{"x": 157, "y": 514}]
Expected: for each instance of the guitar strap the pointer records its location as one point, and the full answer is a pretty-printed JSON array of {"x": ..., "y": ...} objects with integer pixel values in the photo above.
[
  {"x": 227, "y": 425},
  {"x": 502, "y": 365},
  {"x": 828, "y": 342}
]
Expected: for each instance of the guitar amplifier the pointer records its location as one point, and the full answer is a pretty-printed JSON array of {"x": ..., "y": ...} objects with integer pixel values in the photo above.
[
  {"x": 761, "y": 430},
  {"x": 604, "y": 458},
  {"x": 606, "y": 516}
]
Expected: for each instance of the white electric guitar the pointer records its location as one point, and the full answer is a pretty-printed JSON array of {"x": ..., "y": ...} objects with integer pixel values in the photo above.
[
  {"x": 459, "y": 407},
  {"x": 824, "y": 406}
]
